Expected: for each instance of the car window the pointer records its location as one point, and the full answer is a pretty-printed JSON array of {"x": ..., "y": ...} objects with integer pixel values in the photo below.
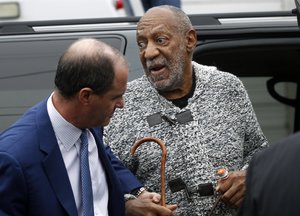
[{"x": 29, "y": 66}]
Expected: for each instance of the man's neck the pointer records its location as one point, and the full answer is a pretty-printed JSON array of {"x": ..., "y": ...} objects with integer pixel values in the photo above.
[{"x": 183, "y": 101}]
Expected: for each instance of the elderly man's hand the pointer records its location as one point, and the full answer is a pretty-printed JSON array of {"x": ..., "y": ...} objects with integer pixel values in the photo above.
[
  {"x": 155, "y": 197},
  {"x": 233, "y": 188},
  {"x": 145, "y": 207}
]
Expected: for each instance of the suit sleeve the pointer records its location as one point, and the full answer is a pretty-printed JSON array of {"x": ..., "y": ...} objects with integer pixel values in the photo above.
[
  {"x": 128, "y": 181},
  {"x": 12, "y": 187}
]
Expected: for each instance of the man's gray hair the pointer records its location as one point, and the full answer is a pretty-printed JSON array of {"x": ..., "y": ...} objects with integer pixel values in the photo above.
[{"x": 184, "y": 22}]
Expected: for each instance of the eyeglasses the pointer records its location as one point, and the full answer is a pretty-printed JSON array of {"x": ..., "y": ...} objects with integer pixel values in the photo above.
[{"x": 181, "y": 118}]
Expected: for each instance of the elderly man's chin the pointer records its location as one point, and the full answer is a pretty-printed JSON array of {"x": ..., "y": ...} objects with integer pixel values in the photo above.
[
  {"x": 158, "y": 84},
  {"x": 162, "y": 85}
]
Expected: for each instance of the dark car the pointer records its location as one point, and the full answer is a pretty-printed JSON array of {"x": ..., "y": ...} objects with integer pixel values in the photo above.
[{"x": 262, "y": 48}]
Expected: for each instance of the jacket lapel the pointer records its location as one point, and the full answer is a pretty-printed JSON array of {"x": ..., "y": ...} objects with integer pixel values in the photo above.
[{"x": 53, "y": 162}]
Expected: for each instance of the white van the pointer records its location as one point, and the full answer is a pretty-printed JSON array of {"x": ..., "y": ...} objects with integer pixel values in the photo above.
[{"x": 33, "y": 10}]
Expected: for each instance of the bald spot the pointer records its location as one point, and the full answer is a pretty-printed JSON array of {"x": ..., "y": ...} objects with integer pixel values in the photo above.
[{"x": 90, "y": 47}]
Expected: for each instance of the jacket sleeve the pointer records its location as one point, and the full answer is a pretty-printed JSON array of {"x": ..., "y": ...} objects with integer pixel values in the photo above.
[
  {"x": 128, "y": 181},
  {"x": 12, "y": 187},
  {"x": 255, "y": 140}
]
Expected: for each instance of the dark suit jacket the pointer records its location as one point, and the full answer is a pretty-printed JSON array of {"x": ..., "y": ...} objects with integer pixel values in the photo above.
[
  {"x": 273, "y": 181},
  {"x": 33, "y": 178}
]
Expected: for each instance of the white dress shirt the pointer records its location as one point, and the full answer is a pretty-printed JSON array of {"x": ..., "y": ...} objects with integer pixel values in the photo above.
[{"x": 68, "y": 138}]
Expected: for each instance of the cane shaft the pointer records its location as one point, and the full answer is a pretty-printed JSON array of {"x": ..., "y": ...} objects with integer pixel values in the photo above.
[{"x": 163, "y": 162}]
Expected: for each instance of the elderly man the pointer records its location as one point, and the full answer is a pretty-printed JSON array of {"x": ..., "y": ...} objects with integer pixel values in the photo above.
[{"x": 203, "y": 116}]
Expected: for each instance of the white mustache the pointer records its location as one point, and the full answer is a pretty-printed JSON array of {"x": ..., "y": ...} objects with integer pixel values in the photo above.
[{"x": 153, "y": 62}]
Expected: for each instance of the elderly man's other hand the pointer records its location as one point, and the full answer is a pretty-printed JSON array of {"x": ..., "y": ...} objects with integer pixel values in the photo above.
[{"x": 233, "y": 188}]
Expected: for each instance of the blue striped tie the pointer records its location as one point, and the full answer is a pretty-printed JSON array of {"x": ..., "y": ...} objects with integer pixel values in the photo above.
[{"x": 86, "y": 186}]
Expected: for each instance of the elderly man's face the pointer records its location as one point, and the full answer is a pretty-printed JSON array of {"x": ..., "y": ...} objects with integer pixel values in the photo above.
[{"x": 162, "y": 50}]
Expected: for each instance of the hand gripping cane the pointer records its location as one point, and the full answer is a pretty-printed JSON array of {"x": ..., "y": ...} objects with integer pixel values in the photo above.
[{"x": 163, "y": 162}]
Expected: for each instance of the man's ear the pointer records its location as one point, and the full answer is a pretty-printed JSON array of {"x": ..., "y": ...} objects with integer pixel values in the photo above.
[
  {"x": 84, "y": 95},
  {"x": 191, "y": 38}
]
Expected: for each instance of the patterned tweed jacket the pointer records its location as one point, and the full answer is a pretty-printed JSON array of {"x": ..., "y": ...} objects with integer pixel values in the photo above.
[{"x": 222, "y": 130}]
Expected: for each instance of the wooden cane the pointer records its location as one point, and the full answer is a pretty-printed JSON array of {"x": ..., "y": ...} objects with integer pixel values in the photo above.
[{"x": 163, "y": 162}]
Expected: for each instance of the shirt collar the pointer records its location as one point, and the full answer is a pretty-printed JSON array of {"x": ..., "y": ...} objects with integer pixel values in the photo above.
[{"x": 67, "y": 133}]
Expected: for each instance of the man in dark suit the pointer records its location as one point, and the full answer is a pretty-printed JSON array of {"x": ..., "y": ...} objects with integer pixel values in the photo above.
[
  {"x": 40, "y": 161},
  {"x": 273, "y": 181}
]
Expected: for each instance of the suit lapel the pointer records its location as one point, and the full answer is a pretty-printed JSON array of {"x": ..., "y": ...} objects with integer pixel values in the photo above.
[
  {"x": 53, "y": 162},
  {"x": 58, "y": 177}
]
